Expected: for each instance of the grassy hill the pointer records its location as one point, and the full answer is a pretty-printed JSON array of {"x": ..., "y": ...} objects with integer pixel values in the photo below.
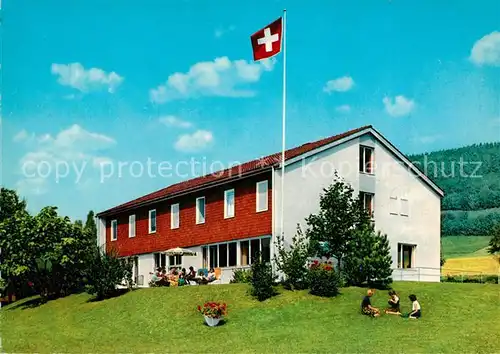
[
  {"x": 165, "y": 320},
  {"x": 470, "y": 178}
]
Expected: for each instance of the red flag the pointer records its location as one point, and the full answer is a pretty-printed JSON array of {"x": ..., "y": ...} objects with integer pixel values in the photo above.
[{"x": 267, "y": 42}]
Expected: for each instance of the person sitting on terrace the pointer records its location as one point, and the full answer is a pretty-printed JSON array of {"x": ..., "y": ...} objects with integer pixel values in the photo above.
[
  {"x": 211, "y": 275},
  {"x": 191, "y": 274}
]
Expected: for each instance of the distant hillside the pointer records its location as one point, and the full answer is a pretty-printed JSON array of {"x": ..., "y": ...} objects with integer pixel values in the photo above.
[{"x": 470, "y": 178}]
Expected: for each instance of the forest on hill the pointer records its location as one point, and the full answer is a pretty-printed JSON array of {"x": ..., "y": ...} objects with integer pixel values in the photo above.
[{"x": 470, "y": 178}]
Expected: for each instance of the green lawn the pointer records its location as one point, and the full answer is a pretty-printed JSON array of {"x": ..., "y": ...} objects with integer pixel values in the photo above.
[
  {"x": 457, "y": 318},
  {"x": 465, "y": 246}
]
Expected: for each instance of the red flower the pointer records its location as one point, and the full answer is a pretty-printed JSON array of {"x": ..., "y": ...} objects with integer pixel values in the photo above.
[
  {"x": 30, "y": 284},
  {"x": 199, "y": 308}
]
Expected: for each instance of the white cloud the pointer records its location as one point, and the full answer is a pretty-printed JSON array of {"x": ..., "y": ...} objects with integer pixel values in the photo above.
[
  {"x": 427, "y": 139},
  {"x": 22, "y": 136},
  {"x": 486, "y": 51},
  {"x": 173, "y": 121},
  {"x": 343, "y": 109},
  {"x": 221, "y": 77},
  {"x": 93, "y": 79},
  {"x": 32, "y": 186},
  {"x": 399, "y": 106},
  {"x": 72, "y": 146},
  {"x": 197, "y": 141},
  {"x": 340, "y": 84},
  {"x": 495, "y": 121},
  {"x": 222, "y": 31}
]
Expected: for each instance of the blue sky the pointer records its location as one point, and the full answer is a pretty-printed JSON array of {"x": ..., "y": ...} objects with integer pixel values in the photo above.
[{"x": 97, "y": 83}]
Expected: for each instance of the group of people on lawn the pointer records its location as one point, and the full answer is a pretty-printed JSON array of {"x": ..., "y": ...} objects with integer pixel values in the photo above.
[
  {"x": 394, "y": 307},
  {"x": 179, "y": 277}
]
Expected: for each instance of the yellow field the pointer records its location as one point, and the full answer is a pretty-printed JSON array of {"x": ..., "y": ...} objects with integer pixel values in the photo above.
[{"x": 471, "y": 265}]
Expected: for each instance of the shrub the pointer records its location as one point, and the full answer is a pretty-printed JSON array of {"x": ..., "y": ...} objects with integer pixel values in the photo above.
[
  {"x": 323, "y": 279},
  {"x": 488, "y": 279},
  {"x": 213, "y": 309},
  {"x": 105, "y": 272},
  {"x": 262, "y": 279},
  {"x": 242, "y": 276},
  {"x": 369, "y": 262},
  {"x": 293, "y": 261}
]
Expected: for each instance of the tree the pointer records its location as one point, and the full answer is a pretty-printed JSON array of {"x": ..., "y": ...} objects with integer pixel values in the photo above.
[
  {"x": 441, "y": 256},
  {"x": 331, "y": 231},
  {"x": 105, "y": 271},
  {"x": 263, "y": 279},
  {"x": 10, "y": 204},
  {"x": 494, "y": 245},
  {"x": 369, "y": 259},
  {"x": 90, "y": 225},
  {"x": 292, "y": 261}
]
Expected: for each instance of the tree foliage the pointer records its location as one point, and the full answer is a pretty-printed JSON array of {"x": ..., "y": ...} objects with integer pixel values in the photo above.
[
  {"x": 106, "y": 271},
  {"x": 332, "y": 230},
  {"x": 47, "y": 250},
  {"x": 494, "y": 245},
  {"x": 263, "y": 280},
  {"x": 369, "y": 260},
  {"x": 292, "y": 260}
]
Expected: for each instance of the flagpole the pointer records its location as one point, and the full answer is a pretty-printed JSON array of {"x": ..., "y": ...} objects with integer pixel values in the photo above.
[{"x": 283, "y": 128}]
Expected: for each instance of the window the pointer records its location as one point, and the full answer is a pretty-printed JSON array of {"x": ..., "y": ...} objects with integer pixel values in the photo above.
[
  {"x": 200, "y": 210},
  {"x": 160, "y": 261},
  {"x": 254, "y": 249},
  {"x": 131, "y": 225},
  {"x": 367, "y": 200},
  {"x": 174, "y": 261},
  {"x": 245, "y": 250},
  {"x": 220, "y": 255},
  {"x": 204, "y": 252},
  {"x": 174, "y": 216},
  {"x": 213, "y": 256},
  {"x": 229, "y": 203},
  {"x": 223, "y": 255},
  {"x": 406, "y": 256},
  {"x": 366, "y": 159},
  {"x": 262, "y": 196},
  {"x": 114, "y": 230},
  {"x": 152, "y": 221},
  {"x": 266, "y": 249},
  {"x": 393, "y": 205},
  {"x": 250, "y": 249},
  {"x": 231, "y": 251},
  {"x": 405, "y": 207}
]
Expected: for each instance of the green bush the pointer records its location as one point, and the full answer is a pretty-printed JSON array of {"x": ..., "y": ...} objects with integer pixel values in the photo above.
[
  {"x": 263, "y": 280},
  {"x": 242, "y": 276},
  {"x": 292, "y": 261},
  {"x": 488, "y": 279},
  {"x": 105, "y": 272},
  {"x": 323, "y": 279}
]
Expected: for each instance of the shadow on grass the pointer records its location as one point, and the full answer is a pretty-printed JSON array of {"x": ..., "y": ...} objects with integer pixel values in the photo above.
[
  {"x": 27, "y": 304},
  {"x": 117, "y": 293}
]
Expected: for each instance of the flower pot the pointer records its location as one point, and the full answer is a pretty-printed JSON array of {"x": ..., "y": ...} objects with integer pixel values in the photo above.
[{"x": 212, "y": 322}]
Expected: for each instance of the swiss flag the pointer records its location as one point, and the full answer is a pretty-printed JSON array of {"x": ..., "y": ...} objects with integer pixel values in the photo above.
[{"x": 267, "y": 41}]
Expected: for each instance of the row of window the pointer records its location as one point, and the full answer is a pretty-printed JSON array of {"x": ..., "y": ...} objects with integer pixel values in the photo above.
[
  {"x": 229, "y": 211},
  {"x": 223, "y": 255},
  {"x": 226, "y": 254},
  {"x": 395, "y": 208}
]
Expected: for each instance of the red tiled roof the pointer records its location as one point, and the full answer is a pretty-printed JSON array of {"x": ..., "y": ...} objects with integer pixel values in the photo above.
[{"x": 239, "y": 170}]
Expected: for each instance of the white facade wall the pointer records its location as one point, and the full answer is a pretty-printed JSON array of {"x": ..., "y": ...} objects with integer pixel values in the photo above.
[{"x": 306, "y": 178}]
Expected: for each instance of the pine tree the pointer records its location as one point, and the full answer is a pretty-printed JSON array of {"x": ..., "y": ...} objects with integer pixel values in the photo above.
[{"x": 90, "y": 225}]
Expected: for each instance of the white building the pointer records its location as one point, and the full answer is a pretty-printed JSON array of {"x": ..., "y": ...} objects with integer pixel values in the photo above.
[{"x": 225, "y": 217}]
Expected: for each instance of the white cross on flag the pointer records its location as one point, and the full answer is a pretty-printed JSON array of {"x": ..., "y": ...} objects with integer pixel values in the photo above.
[{"x": 267, "y": 41}]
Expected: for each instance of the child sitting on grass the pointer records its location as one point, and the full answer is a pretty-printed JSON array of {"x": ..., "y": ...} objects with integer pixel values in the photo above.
[
  {"x": 366, "y": 305},
  {"x": 415, "y": 307},
  {"x": 394, "y": 308}
]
